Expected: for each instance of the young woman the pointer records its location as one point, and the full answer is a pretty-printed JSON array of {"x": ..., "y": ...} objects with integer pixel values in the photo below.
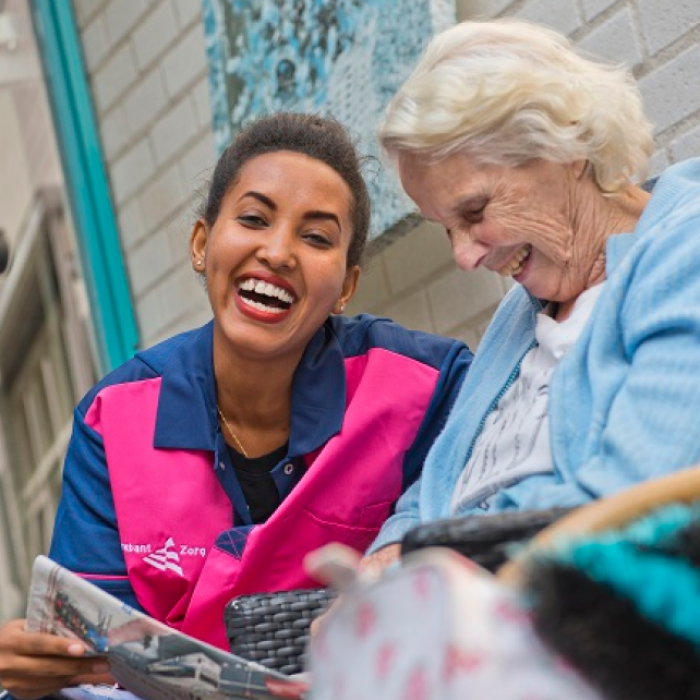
[{"x": 208, "y": 466}]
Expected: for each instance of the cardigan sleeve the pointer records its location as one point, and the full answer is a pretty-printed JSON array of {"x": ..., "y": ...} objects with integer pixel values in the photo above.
[
  {"x": 406, "y": 516},
  {"x": 652, "y": 425}
]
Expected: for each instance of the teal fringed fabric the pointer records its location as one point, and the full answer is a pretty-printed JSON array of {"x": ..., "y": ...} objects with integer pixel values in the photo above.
[{"x": 624, "y": 606}]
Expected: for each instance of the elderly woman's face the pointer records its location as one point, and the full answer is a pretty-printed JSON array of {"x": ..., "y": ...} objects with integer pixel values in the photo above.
[{"x": 520, "y": 222}]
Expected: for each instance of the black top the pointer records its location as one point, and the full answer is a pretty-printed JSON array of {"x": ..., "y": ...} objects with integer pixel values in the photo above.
[{"x": 258, "y": 486}]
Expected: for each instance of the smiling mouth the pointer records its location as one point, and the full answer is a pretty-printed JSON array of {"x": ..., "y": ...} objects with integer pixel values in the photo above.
[
  {"x": 264, "y": 296},
  {"x": 517, "y": 263}
]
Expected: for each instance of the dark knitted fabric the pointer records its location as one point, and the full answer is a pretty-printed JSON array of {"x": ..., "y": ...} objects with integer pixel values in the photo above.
[{"x": 603, "y": 635}]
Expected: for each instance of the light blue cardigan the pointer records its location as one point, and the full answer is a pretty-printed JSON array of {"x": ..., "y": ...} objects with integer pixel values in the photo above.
[{"x": 624, "y": 403}]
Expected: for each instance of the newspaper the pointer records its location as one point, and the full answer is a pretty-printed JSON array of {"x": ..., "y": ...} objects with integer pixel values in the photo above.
[{"x": 147, "y": 658}]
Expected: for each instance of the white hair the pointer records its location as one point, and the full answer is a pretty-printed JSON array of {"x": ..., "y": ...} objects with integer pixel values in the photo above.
[{"x": 507, "y": 92}]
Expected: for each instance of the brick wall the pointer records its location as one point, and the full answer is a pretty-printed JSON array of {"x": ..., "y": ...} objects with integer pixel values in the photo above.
[{"x": 147, "y": 68}]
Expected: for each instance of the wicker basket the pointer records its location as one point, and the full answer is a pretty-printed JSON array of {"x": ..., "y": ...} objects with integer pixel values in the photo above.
[
  {"x": 273, "y": 628},
  {"x": 485, "y": 539}
]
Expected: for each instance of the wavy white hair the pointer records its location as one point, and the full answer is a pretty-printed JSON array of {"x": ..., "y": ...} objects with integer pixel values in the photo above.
[{"x": 508, "y": 92}]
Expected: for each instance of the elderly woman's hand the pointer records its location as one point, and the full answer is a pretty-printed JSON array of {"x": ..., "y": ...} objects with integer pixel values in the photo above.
[
  {"x": 376, "y": 562},
  {"x": 372, "y": 565},
  {"x": 33, "y": 665}
]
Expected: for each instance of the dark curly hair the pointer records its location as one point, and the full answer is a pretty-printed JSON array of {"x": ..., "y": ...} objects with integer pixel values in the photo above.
[{"x": 322, "y": 138}]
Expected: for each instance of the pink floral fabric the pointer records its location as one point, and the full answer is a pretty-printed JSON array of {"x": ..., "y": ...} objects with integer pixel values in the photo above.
[{"x": 438, "y": 628}]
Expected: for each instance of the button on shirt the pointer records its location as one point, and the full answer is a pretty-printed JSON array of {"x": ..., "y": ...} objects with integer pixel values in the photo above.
[{"x": 255, "y": 476}]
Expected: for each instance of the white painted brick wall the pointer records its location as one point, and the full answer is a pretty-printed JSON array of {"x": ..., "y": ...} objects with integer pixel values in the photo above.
[
  {"x": 95, "y": 43},
  {"x": 664, "y": 22},
  {"x": 147, "y": 67},
  {"x": 114, "y": 129},
  {"x": 423, "y": 249},
  {"x": 151, "y": 310},
  {"x": 177, "y": 127},
  {"x": 162, "y": 197},
  {"x": 151, "y": 261},
  {"x": 114, "y": 77},
  {"x": 175, "y": 299},
  {"x": 86, "y": 9},
  {"x": 199, "y": 97},
  {"x": 412, "y": 310},
  {"x": 132, "y": 171},
  {"x": 373, "y": 291},
  {"x": 145, "y": 101},
  {"x": 456, "y": 296},
  {"x": 659, "y": 161},
  {"x": 188, "y": 11},
  {"x": 184, "y": 63},
  {"x": 672, "y": 91},
  {"x": 591, "y": 8},
  {"x": 154, "y": 35},
  {"x": 615, "y": 39},
  {"x": 481, "y": 8},
  {"x": 563, "y": 15},
  {"x": 687, "y": 145},
  {"x": 196, "y": 164},
  {"x": 131, "y": 225},
  {"x": 121, "y": 17}
]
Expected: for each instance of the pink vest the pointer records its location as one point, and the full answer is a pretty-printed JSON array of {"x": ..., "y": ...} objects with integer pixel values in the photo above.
[{"x": 175, "y": 520}]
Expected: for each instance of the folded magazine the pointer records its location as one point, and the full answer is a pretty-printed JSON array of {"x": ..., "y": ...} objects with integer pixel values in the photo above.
[{"x": 147, "y": 658}]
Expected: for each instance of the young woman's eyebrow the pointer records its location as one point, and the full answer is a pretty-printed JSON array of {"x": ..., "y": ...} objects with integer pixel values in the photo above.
[
  {"x": 261, "y": 198},
  {"x": 322, "y": 215}
]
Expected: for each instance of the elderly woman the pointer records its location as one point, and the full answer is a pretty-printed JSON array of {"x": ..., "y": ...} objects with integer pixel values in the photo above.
[{"x": 587, "y": 380}]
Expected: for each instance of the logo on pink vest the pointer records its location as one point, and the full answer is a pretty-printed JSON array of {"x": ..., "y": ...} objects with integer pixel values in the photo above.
[{"x": 167, "y": 557}]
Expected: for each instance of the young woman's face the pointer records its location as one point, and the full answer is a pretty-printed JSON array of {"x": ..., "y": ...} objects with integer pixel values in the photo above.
[
  {"x": 520, "y": 222},
  {"x": 275, "y": 260}
]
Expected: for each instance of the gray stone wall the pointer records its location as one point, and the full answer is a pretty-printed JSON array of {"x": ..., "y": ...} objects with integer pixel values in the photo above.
[{"x": 147, "y": 67}]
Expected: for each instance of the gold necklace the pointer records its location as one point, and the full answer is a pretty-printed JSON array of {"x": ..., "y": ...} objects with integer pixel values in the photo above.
[{"x": 239, "y": 445}]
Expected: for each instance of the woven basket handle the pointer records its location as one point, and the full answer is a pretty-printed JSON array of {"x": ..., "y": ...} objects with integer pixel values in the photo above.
[{"x": 608, "y": 513}]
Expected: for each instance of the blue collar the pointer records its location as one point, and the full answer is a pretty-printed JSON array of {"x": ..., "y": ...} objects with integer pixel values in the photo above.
[{"x": 187, "y": 417}]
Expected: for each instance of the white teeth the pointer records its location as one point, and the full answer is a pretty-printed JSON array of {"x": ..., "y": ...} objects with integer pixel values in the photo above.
[
  {"x": 266, "y": 289},
  {"x": 262, "y": 307}
]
